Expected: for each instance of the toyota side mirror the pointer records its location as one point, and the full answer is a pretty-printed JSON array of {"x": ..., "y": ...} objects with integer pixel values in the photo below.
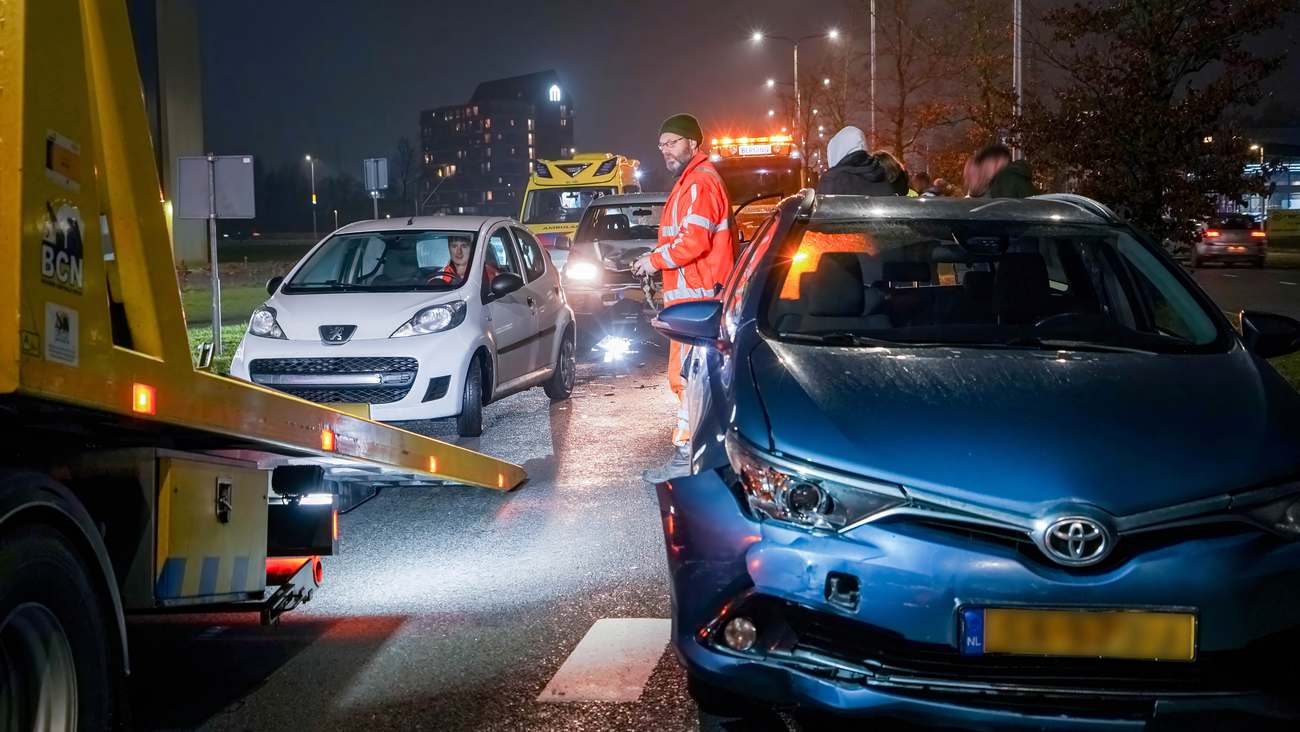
[
  {"x": 273, "y": 284},
  {"x": 692, "y": 323},
  {"x": 506, "y": 283},
  {"x": 1268, "y": 336}
]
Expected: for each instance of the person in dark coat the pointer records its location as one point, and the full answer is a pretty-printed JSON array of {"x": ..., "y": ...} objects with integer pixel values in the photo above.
[
  {"x": 855, "y": 172},
  {"x": 1006, "y": 178}
]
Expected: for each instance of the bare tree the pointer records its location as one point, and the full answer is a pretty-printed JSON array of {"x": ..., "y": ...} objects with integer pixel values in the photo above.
[{"x": 914, "y": 54}]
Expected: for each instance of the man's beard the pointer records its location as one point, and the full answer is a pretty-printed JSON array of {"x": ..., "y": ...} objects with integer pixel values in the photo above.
[{"x": 677, "y": 171}]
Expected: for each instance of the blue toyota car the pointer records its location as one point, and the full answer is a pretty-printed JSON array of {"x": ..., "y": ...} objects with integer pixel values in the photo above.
[{"x": 989, "y": 464}]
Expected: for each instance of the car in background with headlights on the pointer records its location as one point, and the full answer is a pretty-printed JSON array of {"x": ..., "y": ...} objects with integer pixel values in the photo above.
[
  {"x": 376, "y": 314},
  {"x": 609, "y": 301},
  {"x": 1002, "y": 467}
]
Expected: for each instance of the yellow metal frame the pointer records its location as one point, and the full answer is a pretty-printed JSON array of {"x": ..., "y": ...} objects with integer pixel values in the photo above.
[{"x": 74, "y": 141}]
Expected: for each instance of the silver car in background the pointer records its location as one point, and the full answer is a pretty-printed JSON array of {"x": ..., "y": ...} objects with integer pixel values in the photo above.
[{"x": 1232, "y": 239}]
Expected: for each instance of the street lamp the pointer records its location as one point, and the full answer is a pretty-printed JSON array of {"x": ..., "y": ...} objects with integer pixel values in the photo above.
[
  {"x": 1260, "y": 148},
  {"x": 314, "y": 233},
  {"x": 771, "y": 83},
  {"x": 759, "y": 36},
  {"x": 771, "y": 113}
]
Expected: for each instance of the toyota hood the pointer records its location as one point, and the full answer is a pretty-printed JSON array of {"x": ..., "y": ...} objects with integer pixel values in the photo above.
[{"x": 1023, "y": 431}]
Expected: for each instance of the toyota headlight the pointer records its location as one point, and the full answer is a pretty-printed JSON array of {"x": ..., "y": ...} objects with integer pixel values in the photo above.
[
  {"x": 784, "y": 492},
  {"x": 582, "y": 271},
  {"x": 433, "y": 320},
  {"x": 262, "y": 323}
]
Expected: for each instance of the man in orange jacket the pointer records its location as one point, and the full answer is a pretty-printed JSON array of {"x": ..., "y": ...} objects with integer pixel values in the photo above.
[{"x": 695, "y": 254}]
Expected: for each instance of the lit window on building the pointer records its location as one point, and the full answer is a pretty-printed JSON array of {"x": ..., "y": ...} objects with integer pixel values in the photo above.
[
  {"x": 555, "y": 93},
  {"x": 500, "y": 179},
  {"x": 512, "y": 123},
  {"x": 564, "y": 123},
  {"x": 488, "y": 195},
  {"x": 514, "y": 151},
  {"x": 530, "y": 125},
  {"x": 530, "y": 153},
  {"x": 563, "y": 109},
  {"x": 475, "y": 110},
  {"x": 487, "y": 123},
  {"x": 530, "y": 138}
]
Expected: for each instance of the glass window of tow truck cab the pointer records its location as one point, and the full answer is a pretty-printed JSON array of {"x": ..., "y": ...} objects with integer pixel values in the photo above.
[
  {"x": 982, "y": 284},
  {"x": 382, "y": 261},
  {"x": 561, "y": 205}
]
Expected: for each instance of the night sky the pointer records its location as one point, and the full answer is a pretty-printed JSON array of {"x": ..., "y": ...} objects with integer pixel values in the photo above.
[{"x": 342, "y": 79}]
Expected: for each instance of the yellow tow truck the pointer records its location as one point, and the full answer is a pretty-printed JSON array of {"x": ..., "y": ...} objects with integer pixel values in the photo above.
[{"x": 130, "y": 480}]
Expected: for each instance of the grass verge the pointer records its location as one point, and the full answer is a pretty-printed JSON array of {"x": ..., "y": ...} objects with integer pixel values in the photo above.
[
  {"x": 230, "y": 337},
  {"x": 237, "y": 303}
]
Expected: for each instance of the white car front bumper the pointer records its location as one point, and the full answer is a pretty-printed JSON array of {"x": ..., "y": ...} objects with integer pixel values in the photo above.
[{"x": 376, "y": 371}]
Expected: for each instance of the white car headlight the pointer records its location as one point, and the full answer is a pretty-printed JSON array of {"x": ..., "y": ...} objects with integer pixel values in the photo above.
[
  {"x": 433, "y": 320},
  {"x": 811, "y": 501},
  {"x": 262, "y": 323},
  {"x": 582, "y": 271}
]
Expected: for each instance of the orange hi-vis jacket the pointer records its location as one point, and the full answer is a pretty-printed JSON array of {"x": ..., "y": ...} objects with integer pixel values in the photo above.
[{"x": 695, "y": 251}]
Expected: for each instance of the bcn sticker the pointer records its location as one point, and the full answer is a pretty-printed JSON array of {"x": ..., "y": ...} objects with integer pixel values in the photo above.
[{"x": 62, "y": 247}]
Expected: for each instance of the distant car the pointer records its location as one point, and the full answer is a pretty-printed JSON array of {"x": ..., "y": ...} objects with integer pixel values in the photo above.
[
  {"x": 1232, "y": 239},
  {"x": 998, "y": 467},
  {"x": 614, "y": 231},
  {"x": 374, "y": 314}
]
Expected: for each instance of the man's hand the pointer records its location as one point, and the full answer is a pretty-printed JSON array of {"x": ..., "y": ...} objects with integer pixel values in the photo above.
[{"x": 642, "y": 266}]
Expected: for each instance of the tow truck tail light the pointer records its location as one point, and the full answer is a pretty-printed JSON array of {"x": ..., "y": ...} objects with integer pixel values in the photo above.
[
  {"x": 1258, "y": 234},
  {"x": 327, "y": 439},
  {"x": 1212, "y": 234},
  {"x": 144, "y": 399}
]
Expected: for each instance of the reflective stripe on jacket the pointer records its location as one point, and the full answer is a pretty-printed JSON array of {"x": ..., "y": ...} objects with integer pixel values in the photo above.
[{"x": 696, "y": 249}]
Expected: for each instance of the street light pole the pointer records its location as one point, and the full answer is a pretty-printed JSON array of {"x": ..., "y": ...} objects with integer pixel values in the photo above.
[
  {"x": 800, "y": 133},
  {"x": 1017, "y": 72},
  {"x": 314, "y": 232},
  {"x": 873, "y": 74}
]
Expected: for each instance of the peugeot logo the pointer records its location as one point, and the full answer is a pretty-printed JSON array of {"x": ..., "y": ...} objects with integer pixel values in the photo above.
[
  {"x": 333, "y": 335},
  {"x": 1076, "y": 541}
]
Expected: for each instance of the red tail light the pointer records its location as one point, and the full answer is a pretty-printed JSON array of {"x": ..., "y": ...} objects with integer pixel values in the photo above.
[
  {"x": 1212, "y": 234},
  {"x": 1258, "y": 234}
]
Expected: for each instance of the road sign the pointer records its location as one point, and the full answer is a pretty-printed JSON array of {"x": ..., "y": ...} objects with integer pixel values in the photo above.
[
  {"x": 376, "y": 173},
  {"x": 230, "y": 175}
]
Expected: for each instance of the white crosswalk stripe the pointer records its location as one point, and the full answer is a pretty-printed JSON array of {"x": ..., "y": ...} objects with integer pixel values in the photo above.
[{"x": 612, "y": 662}]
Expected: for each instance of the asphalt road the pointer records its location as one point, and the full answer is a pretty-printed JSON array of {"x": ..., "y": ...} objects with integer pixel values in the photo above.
[
  {"x": 1236, "y": 288},
  {"x": 453, "y": 608}
]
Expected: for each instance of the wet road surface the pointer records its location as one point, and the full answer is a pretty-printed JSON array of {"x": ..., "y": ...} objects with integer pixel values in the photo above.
[
  {"x": 1237, "y": 288},
  {"x": 454, "y": 608}
]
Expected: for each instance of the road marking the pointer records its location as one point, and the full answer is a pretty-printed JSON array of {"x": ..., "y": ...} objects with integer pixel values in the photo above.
[
  {"x": 1284, "y": 282},
  {"x": 612, "y": 662},
  {"x": 1231, "y": 276}
]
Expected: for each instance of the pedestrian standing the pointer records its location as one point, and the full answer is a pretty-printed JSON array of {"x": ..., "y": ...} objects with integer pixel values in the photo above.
[
  {"x": 855, "y": 171},
  {"x": 695, "y": 252}
]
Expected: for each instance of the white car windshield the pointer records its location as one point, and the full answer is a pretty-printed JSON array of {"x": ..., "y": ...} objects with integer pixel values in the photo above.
[
  {"x": 994, "y": 284},
  {"x": 387, "y": 261}
]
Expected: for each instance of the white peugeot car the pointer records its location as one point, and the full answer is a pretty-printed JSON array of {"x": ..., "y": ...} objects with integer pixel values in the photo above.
[{"x": 423, "y": 318}]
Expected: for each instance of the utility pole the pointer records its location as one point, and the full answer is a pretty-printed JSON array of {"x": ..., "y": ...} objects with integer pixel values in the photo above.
[
  {"x": 1017, "y": 73},
  {"x": 873, "y": 73}
]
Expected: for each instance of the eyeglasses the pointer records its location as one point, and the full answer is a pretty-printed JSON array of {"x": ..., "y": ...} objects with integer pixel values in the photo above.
[{"x": 670, "y": 143}]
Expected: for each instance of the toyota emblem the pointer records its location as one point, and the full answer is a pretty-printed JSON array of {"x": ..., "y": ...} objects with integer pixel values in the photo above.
[{"x": 1076, "y": 541}]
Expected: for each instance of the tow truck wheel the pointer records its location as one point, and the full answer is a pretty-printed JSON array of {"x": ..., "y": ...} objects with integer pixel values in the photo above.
[
  {"x": 560, "y": 386},
  {"x": 469, "y": 423},
  {"x": 54, "y": 659}
]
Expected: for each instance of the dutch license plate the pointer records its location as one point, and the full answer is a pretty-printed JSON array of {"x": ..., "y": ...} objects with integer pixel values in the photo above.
[
  {"x": 755, "y": 150},
  {"x": 1127, "y": 634}
]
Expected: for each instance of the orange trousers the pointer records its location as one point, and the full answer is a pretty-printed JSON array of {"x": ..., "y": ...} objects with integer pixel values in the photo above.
[{"x": 682, "y": 433}]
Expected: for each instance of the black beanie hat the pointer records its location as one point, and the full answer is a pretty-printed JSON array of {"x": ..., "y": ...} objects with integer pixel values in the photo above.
[{"x": 684, "y": 125}]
